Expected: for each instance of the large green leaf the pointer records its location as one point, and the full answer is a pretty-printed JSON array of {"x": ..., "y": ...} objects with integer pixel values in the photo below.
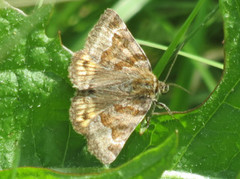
[
  {"x": 150, "y": 164},
  {"x": 35, "y": 97},
  {"x": 209, "y": 141},
  {"x": 34, "y": 90}
]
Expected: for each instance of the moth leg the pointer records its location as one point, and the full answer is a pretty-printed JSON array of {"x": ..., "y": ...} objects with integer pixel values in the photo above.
[
  {"x": 164, "y": 106},
  {"x": 145, "y": 124}
]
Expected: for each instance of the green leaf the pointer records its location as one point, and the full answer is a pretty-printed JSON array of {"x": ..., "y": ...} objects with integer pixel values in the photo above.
[
  {"x": 209, "y": 140},
  {"x": 150, "y": 164},
  {"x": 34, "y": 89},
  {"x": 35, "y": 97}
]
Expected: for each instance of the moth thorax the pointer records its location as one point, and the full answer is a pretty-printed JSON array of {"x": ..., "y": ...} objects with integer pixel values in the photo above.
[{"x": 163, "y": 87}]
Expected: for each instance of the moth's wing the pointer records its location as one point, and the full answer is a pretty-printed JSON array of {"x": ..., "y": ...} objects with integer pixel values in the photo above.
[
  {"x": 112, "y": 45},
  {"x": 111, "y": 55},
  {"x": 86, "y": 105},
  {"x": 85, "y": 73},
  {"x": 111, "y": 126}
]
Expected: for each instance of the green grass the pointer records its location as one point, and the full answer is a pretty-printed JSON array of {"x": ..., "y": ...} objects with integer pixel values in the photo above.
[{"x": 156, "y": 23}]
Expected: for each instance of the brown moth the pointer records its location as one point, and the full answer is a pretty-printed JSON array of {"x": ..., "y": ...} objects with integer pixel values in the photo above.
[{"x": 115, "y": 87}]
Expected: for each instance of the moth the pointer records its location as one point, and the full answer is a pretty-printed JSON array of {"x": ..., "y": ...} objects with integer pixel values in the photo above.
[{"x": 115, "y": 87}]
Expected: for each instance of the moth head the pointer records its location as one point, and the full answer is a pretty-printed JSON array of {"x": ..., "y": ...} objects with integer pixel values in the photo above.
[{"x": 163, "y": 87}]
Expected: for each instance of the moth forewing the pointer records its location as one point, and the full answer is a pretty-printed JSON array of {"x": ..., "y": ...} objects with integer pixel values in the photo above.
[{"x": 116, "y": 87}]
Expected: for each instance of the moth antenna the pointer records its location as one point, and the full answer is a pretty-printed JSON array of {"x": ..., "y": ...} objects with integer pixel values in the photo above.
[
  {"x": 180, "y": 87},
  {"x": 170, "y": 69},
  {"x": 175, "y": 58}
]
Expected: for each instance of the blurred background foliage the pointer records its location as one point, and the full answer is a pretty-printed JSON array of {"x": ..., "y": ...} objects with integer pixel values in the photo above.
[{"x": 155, "y": 21}]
